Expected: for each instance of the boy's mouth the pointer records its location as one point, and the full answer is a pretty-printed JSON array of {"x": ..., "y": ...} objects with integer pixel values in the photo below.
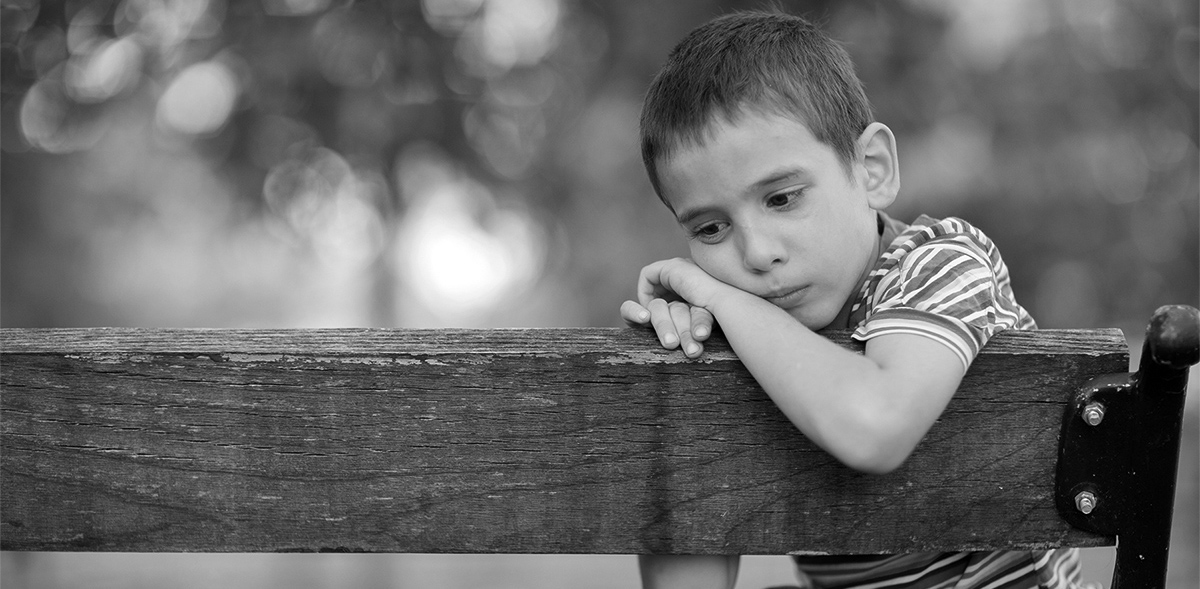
[{"x": 785, "y": 297}]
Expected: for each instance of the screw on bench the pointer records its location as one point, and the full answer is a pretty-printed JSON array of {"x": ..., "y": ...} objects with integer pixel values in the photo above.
[
  {"x": 1085, "y": 502},
  {"x": 1093, "y": 414},
  {"x": 1133, "y": 460}
]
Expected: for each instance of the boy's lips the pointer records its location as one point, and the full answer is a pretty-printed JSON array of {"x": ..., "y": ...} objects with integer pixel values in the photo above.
[{"x": 785, "y": 297}]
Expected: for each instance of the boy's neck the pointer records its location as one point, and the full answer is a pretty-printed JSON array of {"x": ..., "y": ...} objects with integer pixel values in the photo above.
[{"x": 842, "y": 321}]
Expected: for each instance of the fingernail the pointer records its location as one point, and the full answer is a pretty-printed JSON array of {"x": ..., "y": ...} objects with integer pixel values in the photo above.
[
  {"x": 670, "y": 339},
  {"x": 692, "y": 349},
  {"x": 643, "y": 316},
  {"x": 700, "y": 332}
]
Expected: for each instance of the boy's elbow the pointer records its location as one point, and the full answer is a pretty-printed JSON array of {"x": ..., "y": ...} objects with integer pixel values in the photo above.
[
  {"x": 873, "y": 447},
  {"x": 876, "y": 459},
  {"x": 877, "y": 463}
]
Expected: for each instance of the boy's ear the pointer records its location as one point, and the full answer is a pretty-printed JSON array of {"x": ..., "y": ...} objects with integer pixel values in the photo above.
[{"x": 880, "y": 168}]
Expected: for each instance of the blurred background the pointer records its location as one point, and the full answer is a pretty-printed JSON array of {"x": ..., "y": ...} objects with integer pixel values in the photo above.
[{"x": 474, "y": 163}]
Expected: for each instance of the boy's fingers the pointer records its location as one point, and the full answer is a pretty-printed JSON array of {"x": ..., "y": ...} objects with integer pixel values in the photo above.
[
  {"x": 681, "y": 316},
  {"x": 660, "y": 318},
  {"x": 702, "y": 323},
  {"x": 677, "y": 324},
  {"x": 634, "y": 314}
]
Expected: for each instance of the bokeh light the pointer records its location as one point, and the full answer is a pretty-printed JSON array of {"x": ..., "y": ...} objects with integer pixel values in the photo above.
[
  {"x": 199, "y": 100},
  {"x": 460, "y": 251},
  {"x": 50, "y": 121},
  {"x": 510, "y": 34},
  {"x": 104, "y": 70}
]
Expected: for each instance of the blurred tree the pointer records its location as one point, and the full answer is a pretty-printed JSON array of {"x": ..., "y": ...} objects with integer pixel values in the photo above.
[{"x": 309, "y": 162}]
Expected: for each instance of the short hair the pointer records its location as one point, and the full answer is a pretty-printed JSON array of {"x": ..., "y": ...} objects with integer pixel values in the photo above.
[{"x": 764, "y": 61}]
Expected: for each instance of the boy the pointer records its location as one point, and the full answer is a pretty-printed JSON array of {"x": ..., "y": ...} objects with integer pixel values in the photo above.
[{"x": 757, "y": 135}]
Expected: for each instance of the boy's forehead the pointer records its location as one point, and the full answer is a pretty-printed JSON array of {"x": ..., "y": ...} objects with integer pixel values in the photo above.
[
  {"x": 741, "y": 152},
  {"x": 720, "y": 120}
]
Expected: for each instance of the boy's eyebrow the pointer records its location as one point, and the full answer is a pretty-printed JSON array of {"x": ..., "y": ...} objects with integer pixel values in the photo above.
[
  {"x": 686, "y": 216},
  {"x": 772, "y": 178},
  {"x": 778, "y": 176}
]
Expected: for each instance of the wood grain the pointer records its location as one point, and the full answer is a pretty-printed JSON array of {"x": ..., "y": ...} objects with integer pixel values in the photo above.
[{"x": 521, "y": 441}]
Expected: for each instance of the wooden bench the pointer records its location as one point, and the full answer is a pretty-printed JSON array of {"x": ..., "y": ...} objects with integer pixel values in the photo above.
[{"x": 565, "y": 441}]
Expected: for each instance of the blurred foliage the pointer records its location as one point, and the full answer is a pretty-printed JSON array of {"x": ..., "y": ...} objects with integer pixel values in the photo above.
[{"x": 474, "y": 162}]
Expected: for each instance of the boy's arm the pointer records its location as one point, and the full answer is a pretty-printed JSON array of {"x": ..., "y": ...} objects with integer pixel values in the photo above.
[{"x": 869, "y": 411}]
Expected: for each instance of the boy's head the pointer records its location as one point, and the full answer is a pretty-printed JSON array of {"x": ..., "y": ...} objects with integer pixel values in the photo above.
[
  {"x": 758, "y": 137},
  {"x": 759, "y": 62}
]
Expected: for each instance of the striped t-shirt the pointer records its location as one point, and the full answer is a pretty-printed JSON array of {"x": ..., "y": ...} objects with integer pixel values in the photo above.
[{"x": 944, "y": 280}]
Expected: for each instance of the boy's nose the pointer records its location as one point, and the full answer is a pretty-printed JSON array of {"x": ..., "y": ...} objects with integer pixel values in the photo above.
[{"x": 761, "y": 252}]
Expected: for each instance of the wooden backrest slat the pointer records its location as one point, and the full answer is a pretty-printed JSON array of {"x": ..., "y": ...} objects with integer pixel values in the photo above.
[{"x": 533, "y": 440}]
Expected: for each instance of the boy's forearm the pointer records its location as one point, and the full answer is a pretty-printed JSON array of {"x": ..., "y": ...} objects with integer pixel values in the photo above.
[
  {"x": 796, "y": 367},
  {"x": 841, "y": 400}
]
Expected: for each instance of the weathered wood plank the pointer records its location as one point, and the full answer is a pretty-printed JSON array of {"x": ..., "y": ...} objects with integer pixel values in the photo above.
[{"x": 540, "y": 440}]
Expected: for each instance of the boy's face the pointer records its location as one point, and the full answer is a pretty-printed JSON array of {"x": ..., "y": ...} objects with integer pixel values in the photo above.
[{"x": 770, "y": 210}]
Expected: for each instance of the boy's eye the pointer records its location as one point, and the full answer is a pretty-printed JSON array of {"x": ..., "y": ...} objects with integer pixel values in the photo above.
[
  {"x": 710, "y": 231},
  {"x": 783, "y": 199}
]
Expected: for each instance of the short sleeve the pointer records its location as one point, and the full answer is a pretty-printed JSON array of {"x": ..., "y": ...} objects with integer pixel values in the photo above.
[{"x": 946, "y": 289}]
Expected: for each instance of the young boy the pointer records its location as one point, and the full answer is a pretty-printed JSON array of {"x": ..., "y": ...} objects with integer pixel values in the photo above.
[{"x": 759, "y": 138}]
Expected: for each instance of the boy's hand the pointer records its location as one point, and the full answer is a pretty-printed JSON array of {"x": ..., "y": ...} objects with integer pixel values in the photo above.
[
  {"x": 676, "y": 323},
  {"x": 671, "y": 295}
]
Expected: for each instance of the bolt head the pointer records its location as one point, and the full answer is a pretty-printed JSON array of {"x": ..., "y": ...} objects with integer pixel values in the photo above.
[
  {"x": 1093, "y": 414},
  {"x": 1085, "y": 502}
]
